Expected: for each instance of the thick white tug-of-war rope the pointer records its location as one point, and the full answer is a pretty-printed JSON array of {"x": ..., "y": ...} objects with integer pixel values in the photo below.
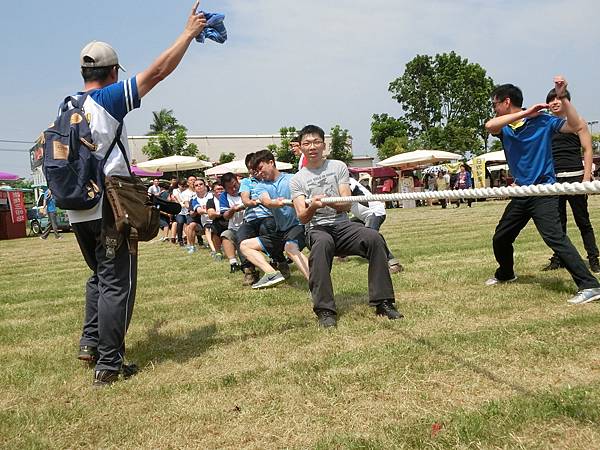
[{"x": 537, "y": 190}]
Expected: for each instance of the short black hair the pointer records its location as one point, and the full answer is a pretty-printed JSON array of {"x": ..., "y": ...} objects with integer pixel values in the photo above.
[
  {"x": 96, "y": 73},
  {"x": 295, "y": 139},
  {"x": 504, "y": 91},
  {"x": 227, "y": 177},
  {"x": 262, "y": 156},
  {"x": 248, "y": 160},
  {"x": 311, "y": 129},
  {"x": 552, "y": 95}
]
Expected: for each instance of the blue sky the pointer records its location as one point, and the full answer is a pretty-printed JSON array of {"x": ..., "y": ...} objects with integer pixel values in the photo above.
[{"x": 287, "y": 62}]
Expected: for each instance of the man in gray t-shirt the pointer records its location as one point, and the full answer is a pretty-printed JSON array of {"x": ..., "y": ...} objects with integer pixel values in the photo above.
[{"x": 329, "y": 232}]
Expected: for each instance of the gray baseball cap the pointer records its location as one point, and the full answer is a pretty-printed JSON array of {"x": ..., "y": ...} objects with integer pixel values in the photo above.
[{"x": 99, "y": 54}]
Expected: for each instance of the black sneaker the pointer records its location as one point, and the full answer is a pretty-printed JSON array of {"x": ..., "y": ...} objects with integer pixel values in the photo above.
[
  {"x": 284, "y": 269},
  {"x": 327, "y": 319},
  {"x": 387, "y": 308},
  {"x": 129, "y": 370},
  {"x": 88, "y": 353},
  {"x": 251, "y": 276},
  {"x": 554, "y": 264},
  {"x": 235, "y": 267},
  {"x": 594, "y": 264},
  {"x": 103, "y": 378}
]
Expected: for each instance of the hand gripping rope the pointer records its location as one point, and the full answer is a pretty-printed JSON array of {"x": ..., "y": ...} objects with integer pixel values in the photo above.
[{"x": 538, "y": 190}]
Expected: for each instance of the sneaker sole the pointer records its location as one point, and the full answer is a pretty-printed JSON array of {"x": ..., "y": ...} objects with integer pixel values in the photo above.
[
  {"x": 269, "y": 283},
  {"x": 597, "y": 297}
]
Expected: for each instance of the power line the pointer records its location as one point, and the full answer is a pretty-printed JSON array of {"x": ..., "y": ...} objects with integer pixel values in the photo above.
[{"x": 17, "y": 142}]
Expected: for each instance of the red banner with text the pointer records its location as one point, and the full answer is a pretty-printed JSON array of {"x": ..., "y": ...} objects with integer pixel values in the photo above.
[{"x": 16, "y": 201}]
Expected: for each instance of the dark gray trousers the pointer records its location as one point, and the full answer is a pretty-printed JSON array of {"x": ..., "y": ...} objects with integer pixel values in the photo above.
[
  {"x": 346, "y": 239},
  {"x": 544, "y": 212},
  {"x": 579, "y": 206},
  {"x": 109, "y": 295}
]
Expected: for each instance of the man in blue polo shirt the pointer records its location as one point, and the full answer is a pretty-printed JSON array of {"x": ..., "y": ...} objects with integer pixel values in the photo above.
[
  {"x": 110, "y": 291},
  {"x": 258, "y": 220},
  {"x": 273, "y": 189},
  {"x": 526, "y": 135}
]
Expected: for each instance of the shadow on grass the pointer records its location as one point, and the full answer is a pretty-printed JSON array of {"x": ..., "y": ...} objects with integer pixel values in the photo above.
[
  {"x": 166, "y": 346},
  {"x": 556, "y": 285}
]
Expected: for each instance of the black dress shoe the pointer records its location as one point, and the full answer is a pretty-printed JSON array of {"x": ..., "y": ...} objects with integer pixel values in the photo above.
[
  {"x": 387, "y": 309},
  {"x": 88, "y": 353}
]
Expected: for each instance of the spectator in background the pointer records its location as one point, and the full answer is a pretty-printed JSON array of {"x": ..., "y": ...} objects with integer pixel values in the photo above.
[
  {"x": 441, "y": 184},
  {"x": 49, "y": 206},
  {"x": 154, "y": 188},
  {"x": 463, "y": 181}
]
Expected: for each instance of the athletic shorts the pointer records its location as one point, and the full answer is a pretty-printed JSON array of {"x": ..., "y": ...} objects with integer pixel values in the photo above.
[
  {"x": 273, "y": 244},
  {"x": 219, "y": 225},
  {"x": 195, "y": 219},
  {"x": 230, "y": 235},
  {"x": 163, "y": 221}
]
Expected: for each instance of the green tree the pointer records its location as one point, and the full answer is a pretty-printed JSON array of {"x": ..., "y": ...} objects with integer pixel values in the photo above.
[
  {"x": 441, "y": 91},
  {"x": 167, "y": 137},
  {"x": 384, "y": 126},
  {"x": 495, "y": 146},
  {"x": 596, "y": 143},
  {"x": 392, "y": 146},
  {"x": 282, "y": 151},
  {"x": 224, "y": 158},
  {"x": 341, "y": 145}
]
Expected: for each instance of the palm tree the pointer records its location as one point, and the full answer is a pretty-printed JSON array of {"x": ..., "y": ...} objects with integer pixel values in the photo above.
[{"x": 163, "y": 122}]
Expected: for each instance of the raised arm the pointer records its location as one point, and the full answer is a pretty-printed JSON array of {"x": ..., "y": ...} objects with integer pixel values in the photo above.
[
  {"x": 574, "y": 123},
  {"x": 170, "y": 58},
  {"x": 495, "y": 124}
]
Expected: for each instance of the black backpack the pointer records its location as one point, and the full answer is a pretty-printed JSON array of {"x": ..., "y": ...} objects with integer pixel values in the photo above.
[{"x": 73, "y": 173}]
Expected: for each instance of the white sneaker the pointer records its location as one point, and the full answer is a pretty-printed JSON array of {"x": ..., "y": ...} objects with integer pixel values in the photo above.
[
  {"x": 269, "y": 279},
  {"x": 493, "y": 281},
  {"x": 585, "y": 296}
]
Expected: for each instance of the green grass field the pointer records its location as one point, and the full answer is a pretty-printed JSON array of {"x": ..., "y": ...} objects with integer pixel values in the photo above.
[{"x": 223, "y": 366}]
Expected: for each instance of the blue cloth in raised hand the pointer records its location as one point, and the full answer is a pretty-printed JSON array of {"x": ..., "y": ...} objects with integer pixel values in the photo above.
[{"x": 214, "y": 29}]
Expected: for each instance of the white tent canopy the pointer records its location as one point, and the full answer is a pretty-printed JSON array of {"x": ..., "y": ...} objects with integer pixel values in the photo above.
[
  {"x": 418, "y": 158},
  {"x": 239, "y": 166},
  {"x": 498, "y": 156},
  {"x": 174, "y": 163}
]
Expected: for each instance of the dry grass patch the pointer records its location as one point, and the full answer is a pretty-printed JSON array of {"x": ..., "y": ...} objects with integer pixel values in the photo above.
[{"x": 227, "y": 367}]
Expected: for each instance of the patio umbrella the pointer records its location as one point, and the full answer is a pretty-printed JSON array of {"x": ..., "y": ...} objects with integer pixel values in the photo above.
[
  {"x": 143, "y": 173},
  {"x": 5, "y": 176},
  {"x": 239, "y": 166},
  {"x": 498, "y": 157},
  {"x": 174, "y": 163},
  {"x": 418, "y": 158}
]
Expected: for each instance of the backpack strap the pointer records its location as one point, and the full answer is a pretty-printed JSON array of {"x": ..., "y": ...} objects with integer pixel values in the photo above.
[{"x": 117, "y": 141}]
